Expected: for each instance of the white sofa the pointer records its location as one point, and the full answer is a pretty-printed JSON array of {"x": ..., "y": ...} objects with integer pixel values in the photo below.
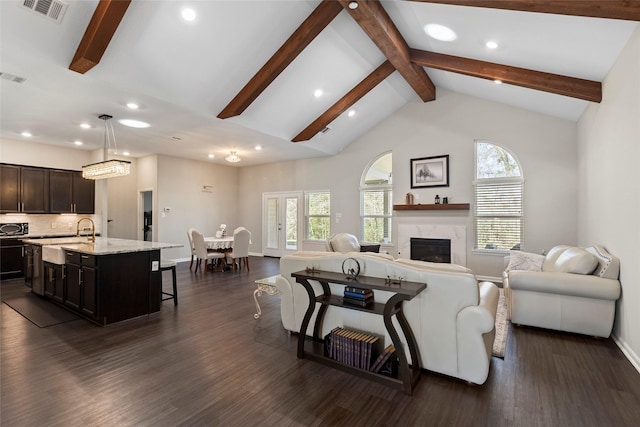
[
  {"x": 452, "y": 319},
  {"x": 570, "y": 289}
]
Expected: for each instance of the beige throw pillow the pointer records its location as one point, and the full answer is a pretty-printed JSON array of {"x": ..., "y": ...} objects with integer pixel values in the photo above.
[{"x": 524, "y": 261}]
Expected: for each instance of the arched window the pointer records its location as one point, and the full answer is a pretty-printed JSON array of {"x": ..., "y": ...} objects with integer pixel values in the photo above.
[
  {"x": 499, "y": 204},
  {"x": 376, "y": 201}
]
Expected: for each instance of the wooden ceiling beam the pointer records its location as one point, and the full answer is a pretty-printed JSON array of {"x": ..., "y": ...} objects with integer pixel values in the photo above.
[
  {"x": 97, "y": 36},
  {"x": 613, "y": 9},
  {"x": 344, "y": 103},
  {"x": 554, "y": 83},
  {"x": 377, "y": 24},
  {"x": 326, "y": 11}
]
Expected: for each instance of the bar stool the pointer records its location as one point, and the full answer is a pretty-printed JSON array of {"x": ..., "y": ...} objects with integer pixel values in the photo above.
[{"x": 165, "y": 265}]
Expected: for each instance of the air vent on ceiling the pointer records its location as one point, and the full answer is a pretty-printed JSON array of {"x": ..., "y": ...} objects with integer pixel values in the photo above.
[
  {"x": 325, "y": 129},
  {"x": 52, "y": 9},
  {"x": 11, "y": 77}
]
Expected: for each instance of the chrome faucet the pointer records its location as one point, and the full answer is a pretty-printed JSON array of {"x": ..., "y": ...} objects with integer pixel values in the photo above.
[{"x": 93, "y": 229}]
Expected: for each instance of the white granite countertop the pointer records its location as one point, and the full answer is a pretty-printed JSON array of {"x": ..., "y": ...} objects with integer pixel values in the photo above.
[{"x": 102, "y": 245}]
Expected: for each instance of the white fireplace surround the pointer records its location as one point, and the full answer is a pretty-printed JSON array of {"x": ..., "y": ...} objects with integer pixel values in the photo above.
[{"x": 456, "y": 233}]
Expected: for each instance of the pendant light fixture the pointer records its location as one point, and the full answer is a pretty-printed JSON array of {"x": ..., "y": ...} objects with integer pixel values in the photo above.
[
  {"x": 233, "y": 157},
  {"x": 107, "y": 168}
]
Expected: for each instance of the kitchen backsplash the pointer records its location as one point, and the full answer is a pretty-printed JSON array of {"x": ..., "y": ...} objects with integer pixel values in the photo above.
[{"x": 51, "y": 224}]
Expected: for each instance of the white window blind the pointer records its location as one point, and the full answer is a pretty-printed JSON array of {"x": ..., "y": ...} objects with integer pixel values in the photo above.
[{"x": 499, "y": 215}]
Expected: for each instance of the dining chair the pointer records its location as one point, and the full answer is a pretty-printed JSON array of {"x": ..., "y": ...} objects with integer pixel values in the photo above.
[
  {"x": 201, "y": 251},
  {"x": 240, "y": 250},
  {"x": 193, "y": 249}
]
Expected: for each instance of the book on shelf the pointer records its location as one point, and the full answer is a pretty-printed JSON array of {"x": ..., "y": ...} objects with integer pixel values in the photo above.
[
  {"x": 357, "y": 302},
  {"x": 357, "y": 290},
  {"x": 351, "y": 347},
  {"x": 384, "y": 356},
  {"x": 357, "y": 295}
]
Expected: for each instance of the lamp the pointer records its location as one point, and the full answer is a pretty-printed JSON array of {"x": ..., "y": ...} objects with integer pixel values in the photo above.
[
  {"x": 107, "y": 168},
  {"x": 233, "y": 157}
]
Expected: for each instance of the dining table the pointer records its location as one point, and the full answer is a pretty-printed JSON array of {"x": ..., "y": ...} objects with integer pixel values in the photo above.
[{"x": 219, "y": 243}]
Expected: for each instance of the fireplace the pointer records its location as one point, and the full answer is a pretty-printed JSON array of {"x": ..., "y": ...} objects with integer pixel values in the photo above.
[{"x": 433, "y": 250}]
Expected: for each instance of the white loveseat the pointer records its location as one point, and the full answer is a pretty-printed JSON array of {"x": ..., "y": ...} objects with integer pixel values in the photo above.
[
  {"x": 452, "y": 319},
  {"x": 570, "y": 289}
]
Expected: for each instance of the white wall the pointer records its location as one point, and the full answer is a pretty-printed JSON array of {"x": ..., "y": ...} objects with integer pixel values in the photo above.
[
  {"x": 609, "y": 194},
  {"x": 179, "y": 188},
  {"x": 545, "y": 146}
]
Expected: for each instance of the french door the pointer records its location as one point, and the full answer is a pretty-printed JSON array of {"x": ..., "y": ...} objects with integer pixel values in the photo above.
[{"x": 281, "y": 223}]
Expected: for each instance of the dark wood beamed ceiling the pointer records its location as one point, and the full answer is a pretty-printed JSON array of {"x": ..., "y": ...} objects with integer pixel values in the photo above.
[
  {"x": 97, "y": 36},
  {"x": 326, "y": 11},
  {"x": 377, "y": 24},
  {"x": 361, "y": 89},
  {"x": 569, "y": 86},
  {"x": 614, "y": 9}
]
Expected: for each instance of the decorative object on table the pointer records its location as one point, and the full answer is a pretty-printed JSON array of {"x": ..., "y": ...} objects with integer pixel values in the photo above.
[
  {"x": 430, "y": 172},
  {"x": 445, "y": 200},
  {"x": 311, "y": 270},
  {"x": 222, "y": 232},
  {"x": 437, "y": 200},
  {"x": 351, "y": 268},
  {"x": 410, "y": 198},
  {"x": 362, "y": 297},
  {"x": 390, "y": 281}
]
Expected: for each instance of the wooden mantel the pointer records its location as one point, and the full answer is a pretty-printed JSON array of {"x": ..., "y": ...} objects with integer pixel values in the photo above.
[{"x": 433, "y": 207}]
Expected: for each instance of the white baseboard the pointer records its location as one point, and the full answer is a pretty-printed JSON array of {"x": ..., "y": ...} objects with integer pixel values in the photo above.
[
  {"x": 256, "y": 254},
  {"x": 628, "y": 352}
]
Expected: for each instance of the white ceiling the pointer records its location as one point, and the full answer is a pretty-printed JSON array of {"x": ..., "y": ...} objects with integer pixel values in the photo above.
[{"x": 183, "y": 74}]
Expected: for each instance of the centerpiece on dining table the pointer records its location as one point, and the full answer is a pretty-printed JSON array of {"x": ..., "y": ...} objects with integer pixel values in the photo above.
[{"x": 222, "y": 232}]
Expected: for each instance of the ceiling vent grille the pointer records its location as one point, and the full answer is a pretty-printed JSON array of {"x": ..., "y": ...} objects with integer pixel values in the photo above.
[
  {"x": 11, "y": 77},
  {"x": 52, "y": 9},
  {"x": 325, "y": 129}
]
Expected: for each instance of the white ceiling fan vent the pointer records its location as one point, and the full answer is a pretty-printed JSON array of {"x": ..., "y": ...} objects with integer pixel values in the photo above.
[
  {"x": 52, "y": 9},
  {"x": 325, "y": 129},
  {"x": 11, "y": 77}
]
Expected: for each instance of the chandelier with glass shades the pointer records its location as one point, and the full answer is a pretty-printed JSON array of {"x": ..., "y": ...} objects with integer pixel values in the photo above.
[
  {"x": 233, "y": 157},
  {"x": 107, "y": 168}
]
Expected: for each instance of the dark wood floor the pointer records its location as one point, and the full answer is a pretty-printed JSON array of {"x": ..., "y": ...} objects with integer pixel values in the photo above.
[{"x": 209, "y": 362}]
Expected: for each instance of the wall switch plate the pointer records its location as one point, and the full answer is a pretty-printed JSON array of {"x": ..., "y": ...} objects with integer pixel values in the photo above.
[{"x": 155, "y": 265}]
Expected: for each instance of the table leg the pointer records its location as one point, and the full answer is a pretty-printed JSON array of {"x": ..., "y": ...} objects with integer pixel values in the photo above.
[{"x": 257, "y": 293}]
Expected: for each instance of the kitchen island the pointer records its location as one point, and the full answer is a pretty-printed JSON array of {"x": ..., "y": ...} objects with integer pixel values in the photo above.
[{"x": 106, "y": 280}]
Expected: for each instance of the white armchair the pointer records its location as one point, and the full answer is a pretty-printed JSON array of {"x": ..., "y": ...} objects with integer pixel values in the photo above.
[
  {"x": 345, "y": 242},
  {"x": 574, "y": 290}
]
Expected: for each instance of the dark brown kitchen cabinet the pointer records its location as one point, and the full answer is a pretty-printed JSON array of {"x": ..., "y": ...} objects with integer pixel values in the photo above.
[
  {"x": 70, "y": 193},
  {"x": 54, "y": 280},
  {"x": 81, "y": 283},
  {"x": 24, "y": 189}
]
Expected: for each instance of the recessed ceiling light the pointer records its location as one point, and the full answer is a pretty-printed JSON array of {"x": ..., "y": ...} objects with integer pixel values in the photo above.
[
  {"x": 134, "y": 123},
  {"x": 27, "y": 134},
  {"x": 353, "y": 5},
  {"x": 125, "y": 153},
  {"x": 133, "y": 105},
  {"x": 77, "y": 142},
  {"x": 258, "y": 147},
  {"x": 85, "y": 125},
  {"x": 351, "y": 113},
  {"x": 440, "y": 32},
  {"x": 491, "y": 45},
  {"x": 317, "y": 93},
  {"x": 211, "y": 156},
  {"x": 188, "y": 14},
  {"x": 498, "y": 81}
]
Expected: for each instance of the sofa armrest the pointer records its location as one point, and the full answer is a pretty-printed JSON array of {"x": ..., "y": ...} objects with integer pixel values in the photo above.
[
  {"x": 286, "y": 303},
  {"x": 475, "y": 334},
  {"x": 579, "y": 285}
]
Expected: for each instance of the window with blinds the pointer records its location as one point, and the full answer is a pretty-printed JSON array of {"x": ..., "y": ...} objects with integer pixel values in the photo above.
[
  {"x": 317, "y": 212},
  {"x": 499, "y": 202},
  {"x": 376, "y": 205}
]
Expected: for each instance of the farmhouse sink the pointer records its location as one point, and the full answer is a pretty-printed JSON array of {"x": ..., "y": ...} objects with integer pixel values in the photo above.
[{"x": 53, "y": 254}]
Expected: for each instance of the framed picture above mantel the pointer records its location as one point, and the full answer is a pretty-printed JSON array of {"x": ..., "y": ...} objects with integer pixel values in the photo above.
[{"x": 427, "y": 172}]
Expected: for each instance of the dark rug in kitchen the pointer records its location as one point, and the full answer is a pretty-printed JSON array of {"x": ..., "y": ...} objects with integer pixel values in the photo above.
[{"x": 38, "y": 311}]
